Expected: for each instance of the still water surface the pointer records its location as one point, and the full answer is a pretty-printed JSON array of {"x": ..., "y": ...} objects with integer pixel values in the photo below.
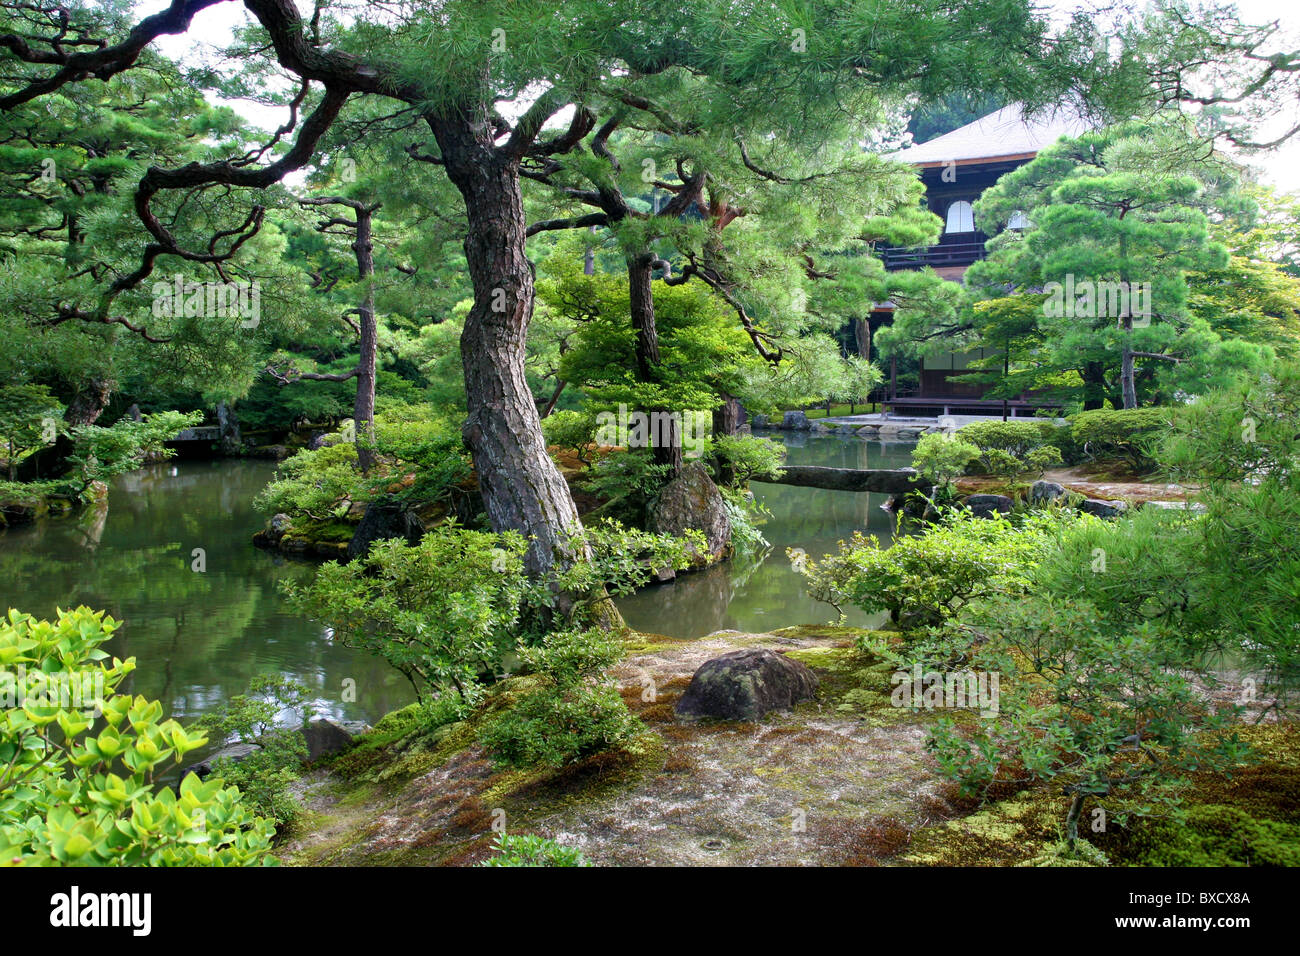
[{"x": 199, "y": 637}]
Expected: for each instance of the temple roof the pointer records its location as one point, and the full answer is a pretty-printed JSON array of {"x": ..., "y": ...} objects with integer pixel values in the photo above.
[{"x": 1001, "y": 135}]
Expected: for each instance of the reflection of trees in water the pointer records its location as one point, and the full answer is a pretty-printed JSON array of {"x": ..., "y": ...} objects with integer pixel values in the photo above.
[
  {"x": 693, "y": 604},
  {"x": 199, "y": 637}
]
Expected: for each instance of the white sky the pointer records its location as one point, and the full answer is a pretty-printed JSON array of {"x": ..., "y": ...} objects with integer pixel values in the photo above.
[{"x": 1281, "y": 167}]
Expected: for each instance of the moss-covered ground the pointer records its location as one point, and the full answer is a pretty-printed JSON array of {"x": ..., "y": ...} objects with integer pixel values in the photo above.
[{"x": 841, "y": 780}]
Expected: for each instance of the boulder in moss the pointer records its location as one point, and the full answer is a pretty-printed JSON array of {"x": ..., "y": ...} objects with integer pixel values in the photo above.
[{"x": 745, "y": 685}]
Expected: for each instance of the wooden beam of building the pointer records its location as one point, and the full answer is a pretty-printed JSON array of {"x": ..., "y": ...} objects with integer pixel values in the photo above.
[{"x": 889, "y": 481}]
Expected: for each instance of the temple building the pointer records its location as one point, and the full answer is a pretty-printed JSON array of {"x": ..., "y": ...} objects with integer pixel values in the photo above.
[{"x": 956, "y": 168}]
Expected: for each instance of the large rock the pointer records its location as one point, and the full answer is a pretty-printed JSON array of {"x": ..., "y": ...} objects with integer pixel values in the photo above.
[
  {"x": 280, "y": 523},
  {"x": 759, "y": 421},
  {"x": 232, "y": 752},
  {"x": 692, "y": 501},
  {"x": 331, "y": 737},
  {"x": 383, "y": 519},
  {"x": 986, "y": 506},
  {"x": 795, "y": 421},
  {"x": 1102, "y": 508},
  {"x": 228, "y": 437},
  {"x": 1045, "y": 492},
  {"x": 745, "y": 685}
]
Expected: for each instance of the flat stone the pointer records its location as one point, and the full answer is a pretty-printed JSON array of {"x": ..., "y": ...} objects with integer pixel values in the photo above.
[
  {"x": 324, "y": 736},
  {"x": 1103, "y": 509},
  {"x": 232, "y": 752}
]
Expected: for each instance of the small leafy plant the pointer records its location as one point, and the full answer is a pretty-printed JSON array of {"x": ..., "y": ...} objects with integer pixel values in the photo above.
[
  {"x": 263, "y": 776},
  {"x": 526, "y": 849},
  {"x": 577, "y": 711},
  {"x": 80, "y": 762}
]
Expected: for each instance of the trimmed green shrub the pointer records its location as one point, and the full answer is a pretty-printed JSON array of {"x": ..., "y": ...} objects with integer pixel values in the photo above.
[
  {"x": 71, "y": 796},
  {"x": 1121, "y": 433},
  {"x": 941, "y": 458},
  {"x": 319, "y": 483},
  {"x": 925, "y": 579},
  {"x": 418, "y": 459},
  {"x": 1014, "y": 447}
]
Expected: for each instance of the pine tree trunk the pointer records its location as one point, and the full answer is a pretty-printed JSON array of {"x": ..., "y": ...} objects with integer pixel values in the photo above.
[
  {"x": 522, "y": 489},
  {"x": 1126, "y": 374},
  {"x": 726, "y": 421},
  {"x": 89, "y": 402},
  {"x": 862, "y": 337},
  {"x": 363, "y": 409},
  {"x": 1094, "y": 380},
  {"x": 667, "y": 447},
  {"x": 726, "y": 417}
]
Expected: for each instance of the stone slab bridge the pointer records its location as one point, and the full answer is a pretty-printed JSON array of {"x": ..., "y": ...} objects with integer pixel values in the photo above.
[{"x": 889, "y": 481}]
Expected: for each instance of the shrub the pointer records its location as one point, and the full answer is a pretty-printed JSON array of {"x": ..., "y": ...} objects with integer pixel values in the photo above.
[
  {"x": 417, "y": 459},
  {"x": 627, "y": 481},
  {"x": 101, "y": 453},
  {"x": 319, "y": 483},
  {"x": 738, "y": 459},
  {"x": 1088, "y": 707},
  {"x": 1017, "y": 438},
  {"x": 1128, "y": 433},
  {"x": 425, "y": 454},
  {"x": 70, "y": 796},
  {"x": 575, "y": 431},
  {"x": 620, "y": 559},
  {"x": 264, "y": 776},
  {"x": 1014, "y": 447},
  {"x": 924, "y": 579},
  {"x": 577, "y": 712},
  {"x": 30, "y": 418},
  {"x": 744, "y": 514},
  {"x": 941, "y": 458},
  {"x": 528, "y": 850},
  {"x": 442, "y": 612}
]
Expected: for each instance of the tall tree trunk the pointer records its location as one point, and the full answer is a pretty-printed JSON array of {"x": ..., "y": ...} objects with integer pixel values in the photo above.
[
  {"x": 522, "y": 489},
  {"x": 862, "y": 337},
  {"x": 667, "y": 445},
  {"x": 726, "y": 421},
  {"x": 726, "y": 417},
  {"x": 1094, "y": 380},
  {"x": 363, "y": 409},
  {"x": 589, "y": 255},
  {"x": 1126, "y": 371}
]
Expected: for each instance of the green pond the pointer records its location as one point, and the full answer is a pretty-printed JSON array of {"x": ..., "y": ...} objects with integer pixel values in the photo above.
[{"x": 202, "y": 625}]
